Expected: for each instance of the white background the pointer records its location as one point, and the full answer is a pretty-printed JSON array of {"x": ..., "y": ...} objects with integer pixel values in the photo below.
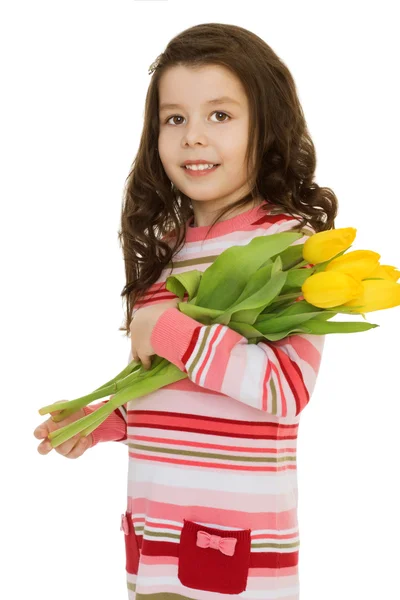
[{"x": 74, "y": 78}]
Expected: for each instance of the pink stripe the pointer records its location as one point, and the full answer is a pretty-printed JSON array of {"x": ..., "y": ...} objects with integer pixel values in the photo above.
[
  {"x": 217, "y": 369},
  {"x": 174, "y": 442},
  {"x": 221, "y": 363},
  {"x": 208, "y": 352},
  {"x": 305, "y": 350},
  {"x": 258, "y": 515}
]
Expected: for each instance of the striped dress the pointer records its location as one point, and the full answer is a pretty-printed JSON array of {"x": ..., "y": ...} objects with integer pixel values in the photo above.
[{"x": 212, "y": 479}]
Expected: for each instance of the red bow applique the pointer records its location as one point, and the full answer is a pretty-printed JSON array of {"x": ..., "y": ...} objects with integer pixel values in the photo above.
[{"x": 225, "y": 544}]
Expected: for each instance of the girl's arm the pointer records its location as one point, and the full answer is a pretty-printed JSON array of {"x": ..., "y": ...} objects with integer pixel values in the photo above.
[
  {"x": 112, "y": 429},
  {"x": 275, "y": 377}
]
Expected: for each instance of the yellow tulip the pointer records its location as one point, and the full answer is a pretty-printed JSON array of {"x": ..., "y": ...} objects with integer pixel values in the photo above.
[
  {"x": 386, "y": 272},
  {"x": 324, "y": 245},
  {"x": 358, "y": 263},
  {"x": 377, "y": 294},
  {"x": 329, "y": 289}
]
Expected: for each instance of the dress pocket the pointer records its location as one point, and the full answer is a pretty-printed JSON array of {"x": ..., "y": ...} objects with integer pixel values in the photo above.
[
  {"x": 131, "y": 543},
  {"x": 214, "y": 560}
]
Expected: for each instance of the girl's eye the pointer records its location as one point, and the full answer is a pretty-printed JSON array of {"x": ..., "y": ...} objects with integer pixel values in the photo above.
[{"x": 218, "y": 112}]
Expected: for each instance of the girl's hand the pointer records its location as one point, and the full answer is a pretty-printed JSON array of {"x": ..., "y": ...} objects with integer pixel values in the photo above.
[
  {"x": 141, "y": 328},
  {"x": 72, "y": 448}
]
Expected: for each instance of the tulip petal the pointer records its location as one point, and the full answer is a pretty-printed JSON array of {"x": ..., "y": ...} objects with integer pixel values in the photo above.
[
  {"x": 357, "y": 263},
  {"x": 377, "y": 294},
  {"x": 324, "y": 245},
  {"x": 329, "y": 289}
]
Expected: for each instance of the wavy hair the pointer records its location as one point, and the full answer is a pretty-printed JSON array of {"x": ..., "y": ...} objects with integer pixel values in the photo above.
[{"x": 281, "y": 152}]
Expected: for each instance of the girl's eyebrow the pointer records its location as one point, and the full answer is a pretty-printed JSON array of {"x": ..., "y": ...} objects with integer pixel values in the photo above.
[{"x": 222, "y": 100}]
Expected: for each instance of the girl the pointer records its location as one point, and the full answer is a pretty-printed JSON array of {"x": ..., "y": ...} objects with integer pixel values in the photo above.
[{"x": 212, "y": 481}]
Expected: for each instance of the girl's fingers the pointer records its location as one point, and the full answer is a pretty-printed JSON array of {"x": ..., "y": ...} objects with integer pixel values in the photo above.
[
  {"x": 44, "y": 447},
  {"x": 145, "y": 360},
  {"x": 72, "y": 448},
  {"x": 81, "y": 445},
  {"x": 41, "y": 432},
  {"x": 70, "y": 445},
  {"x": 47, "y": 426}
]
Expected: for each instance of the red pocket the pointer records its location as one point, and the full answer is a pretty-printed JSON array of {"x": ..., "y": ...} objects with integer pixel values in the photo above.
[
  {"x": 131, "y": 543},
  {"x": 214, "y": 560}
]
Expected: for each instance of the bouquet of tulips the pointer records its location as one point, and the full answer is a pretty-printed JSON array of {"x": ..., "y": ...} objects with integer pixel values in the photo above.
[{"x": 262, "y": 291}]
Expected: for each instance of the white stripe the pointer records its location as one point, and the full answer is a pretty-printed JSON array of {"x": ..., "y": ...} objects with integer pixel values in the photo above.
[
  {"x": 245, "y": 483},
  {"x": 142, "y": 582}
]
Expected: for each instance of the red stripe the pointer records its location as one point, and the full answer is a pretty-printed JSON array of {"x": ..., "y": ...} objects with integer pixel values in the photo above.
[
  {"x": 192, "y": 344},
  {"x": 199, "y": 423},
  {"x": 297, "y": 387}
]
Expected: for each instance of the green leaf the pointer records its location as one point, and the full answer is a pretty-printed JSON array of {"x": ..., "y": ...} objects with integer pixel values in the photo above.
[
  {"x": 199, "y": 313},
  {"x": 286, "y": 322},
  {"x": 296, "y": 308},
  {"x": 318, "y": 327},
  {"x": 249, "y": 308},
  {"x": 256, "y": 281},
  {"x": 188, "y": 281},
  {"x": 245, "y": 329},
  {"x": 224, "y": 280},
  {"x": 291, "y": 256},
  {"x": 297, "y": 277},
  {"x": 277, "y": 266},
  {"x": 281, "y": 302},
  {"x": 273, "y": 337}
]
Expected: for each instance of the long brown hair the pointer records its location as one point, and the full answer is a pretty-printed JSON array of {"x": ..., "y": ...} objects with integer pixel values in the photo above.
[{"x": 154, "y": 211}]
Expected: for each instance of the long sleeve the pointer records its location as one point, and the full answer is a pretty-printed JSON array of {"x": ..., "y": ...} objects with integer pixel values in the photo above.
[
  {"x": 114, "y": 428},
  {"x": 275, "y": 377}
]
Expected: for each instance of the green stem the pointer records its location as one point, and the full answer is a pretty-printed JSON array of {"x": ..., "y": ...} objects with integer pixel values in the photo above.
[
  {"x": 128, "y": 369},
  {"x": 163, "y": 374},
  {"x": 69, "y": 407},
  {"x": 302, "y": 264},
  {"x": 65, "y": 433},
  {"x": 95, "y": 425}
]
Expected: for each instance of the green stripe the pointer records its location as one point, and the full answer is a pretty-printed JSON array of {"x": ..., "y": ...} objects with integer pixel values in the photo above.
[
  {"x": 162, "y": 596},
  {"x": 274, "y": 396},
  {"x": 270, "y": 459},
  {"x": 201, "y": 260}
]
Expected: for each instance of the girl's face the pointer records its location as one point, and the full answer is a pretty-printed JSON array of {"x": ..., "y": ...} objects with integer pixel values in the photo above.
[{"x": 196, "y": 128}]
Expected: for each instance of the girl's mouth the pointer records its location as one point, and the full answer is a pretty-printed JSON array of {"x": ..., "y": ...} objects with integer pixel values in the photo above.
[{"x": 200, "y": 173}]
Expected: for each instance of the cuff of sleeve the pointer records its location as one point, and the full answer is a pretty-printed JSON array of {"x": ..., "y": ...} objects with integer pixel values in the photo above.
[
  {"x": 112, "y": 429},
  {"x": 172, "y": 335}
]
